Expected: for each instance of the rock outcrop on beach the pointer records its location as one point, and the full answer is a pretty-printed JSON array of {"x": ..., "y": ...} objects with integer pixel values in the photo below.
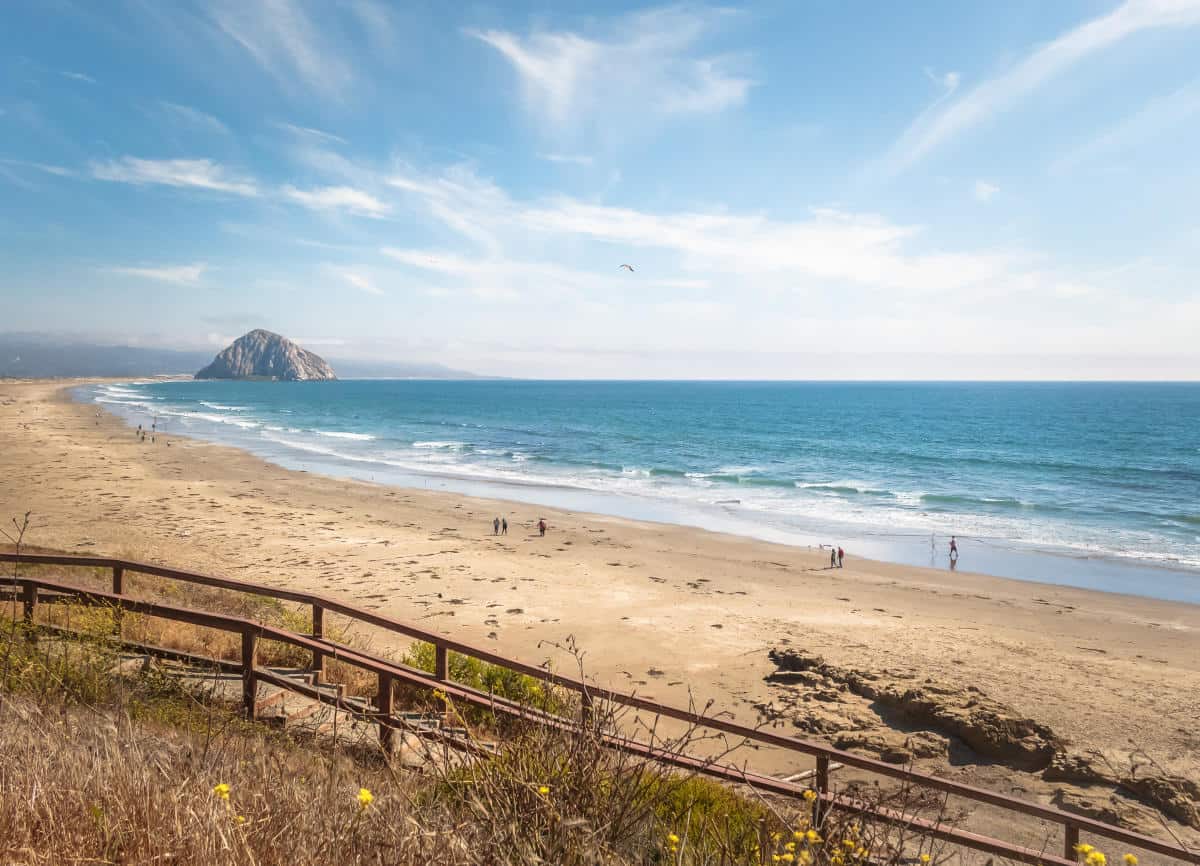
[
  {"x": 902, "y": 718},
  {"x": 263, "y": 355}
]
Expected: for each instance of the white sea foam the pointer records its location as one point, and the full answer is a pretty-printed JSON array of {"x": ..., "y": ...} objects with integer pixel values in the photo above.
[
  {"x": 341, "y": 434},
  {"x": 221, "y": 406},
  {"x": 452, "y": 445}
]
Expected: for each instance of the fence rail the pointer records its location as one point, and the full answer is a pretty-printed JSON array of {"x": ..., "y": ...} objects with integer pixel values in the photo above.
[{"x": 31, "y": 591}]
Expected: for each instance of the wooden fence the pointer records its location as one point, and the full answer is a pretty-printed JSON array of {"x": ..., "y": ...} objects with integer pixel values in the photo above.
[{"x": 32, "y": 591}]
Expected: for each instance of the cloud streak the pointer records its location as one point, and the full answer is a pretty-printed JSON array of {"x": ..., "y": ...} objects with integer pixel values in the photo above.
[
  {"x": 568, "y": 78},
  {"x": 182, "y": 275},
  {"x": 934, "y": 129},
  {"x": 186, "y": 173},
  {"x": 344, "y": 198}
]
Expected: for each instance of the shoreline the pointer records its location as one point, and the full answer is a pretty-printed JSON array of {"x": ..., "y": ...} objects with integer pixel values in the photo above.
[
  {"x": 1140, "y": 575},
  {"x": 671, "y": 612}
]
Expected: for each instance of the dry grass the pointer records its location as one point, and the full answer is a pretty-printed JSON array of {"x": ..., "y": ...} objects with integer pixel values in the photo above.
[{"x": 98, "y": 766}]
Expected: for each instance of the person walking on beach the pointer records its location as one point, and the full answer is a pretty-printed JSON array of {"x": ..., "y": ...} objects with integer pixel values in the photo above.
[
  {"x": 541, "y": 526},
  {"x": 495, "y": 526},
  {"x": 841, "y": 556},
  {"x": 953, "y": 553},
  {"x": 832, "y": 556},
  {"x": 504, "y": 526}
]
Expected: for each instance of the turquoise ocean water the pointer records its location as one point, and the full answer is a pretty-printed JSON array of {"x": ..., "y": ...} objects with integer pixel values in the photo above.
[{"x": 1086, "y": 484}]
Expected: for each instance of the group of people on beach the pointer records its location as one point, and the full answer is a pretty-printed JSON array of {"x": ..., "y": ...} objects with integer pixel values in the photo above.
[
  {"x": 500, "y": 526},
  {"x": 836, "y": 556}
]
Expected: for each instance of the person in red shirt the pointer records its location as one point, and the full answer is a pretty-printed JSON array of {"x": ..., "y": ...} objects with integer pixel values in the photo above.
[{"x": 841, "y": 556}]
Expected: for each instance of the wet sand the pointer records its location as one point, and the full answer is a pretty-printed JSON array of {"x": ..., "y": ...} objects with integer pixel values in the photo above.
[{"x": 658, "y": 609}]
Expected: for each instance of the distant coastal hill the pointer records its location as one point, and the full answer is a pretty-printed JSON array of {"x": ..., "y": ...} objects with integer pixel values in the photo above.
[
  {"x": 265, "y": 355},
  {"x": 49, "y": 356}
]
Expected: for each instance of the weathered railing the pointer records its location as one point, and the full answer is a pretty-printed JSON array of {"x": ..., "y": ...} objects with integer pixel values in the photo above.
[{"x": 31, "y": 591}]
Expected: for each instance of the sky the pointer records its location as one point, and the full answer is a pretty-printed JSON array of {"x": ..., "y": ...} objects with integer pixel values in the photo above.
[{"x": 803, "y": 189}]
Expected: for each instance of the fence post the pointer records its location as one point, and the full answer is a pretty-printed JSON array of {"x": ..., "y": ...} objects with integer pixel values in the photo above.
[
  {"x": 441, "y": 663},
  {"x": 249, "y": 682},
  {"x": 822, "y": 781},
  {"x": 1071, "y": 839},
  {"x": 318, "y": 656},
  {"x": 118, "y": 588},
  {"x": 586, "y": 712},
  {"x": 29, "y": 607},
  {"x": 385, "y": 705}
]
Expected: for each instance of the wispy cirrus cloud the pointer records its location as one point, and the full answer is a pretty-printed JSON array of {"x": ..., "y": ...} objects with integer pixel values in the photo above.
[
  {"x": 568, "y": 78},
  {"x": 193, "y": 117},
  {"x": 932, "y": 129},
  {"x": 568, "y": 158},
  {"x": 361, "y": 282},
  {"x": 183, "y": 275},
  {"x": 984, "y": 191},
  {"x": 1153, "y": 120},
  {"x": 282, "y": 38},
  {"x": 307, "y": 132},
  {"x": 189, "y": 173},
  {"x": 46, "y": 168},
  {"x": 342, "y": 198},
  {"x": 77, "y": 76}
]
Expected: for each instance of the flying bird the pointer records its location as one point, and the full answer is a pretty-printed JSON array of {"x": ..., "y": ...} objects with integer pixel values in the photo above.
[{"x": 627, "y": 267}]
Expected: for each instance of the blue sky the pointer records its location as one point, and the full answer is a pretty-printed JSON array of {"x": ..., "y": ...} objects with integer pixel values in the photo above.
[{"x": 805, "y": 190}]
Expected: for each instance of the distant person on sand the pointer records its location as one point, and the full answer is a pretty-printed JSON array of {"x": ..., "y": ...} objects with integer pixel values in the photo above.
[
  {"x": 504, "y": 526},
  {"x": 832, "y": 556},
  {"x": 541, "y": 526},
  {"x": 841, "y": 556},
  {"x": 496, "y": 526},
  {"x": 953, "y": 553}
]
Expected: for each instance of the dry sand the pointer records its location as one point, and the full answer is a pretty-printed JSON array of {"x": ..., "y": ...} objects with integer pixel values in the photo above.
[{"x": 657, "y": 608}]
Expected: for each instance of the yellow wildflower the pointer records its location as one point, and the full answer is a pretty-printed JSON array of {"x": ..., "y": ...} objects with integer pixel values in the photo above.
[
  {"x": 848, "y": 844},
  {"x": 1130, "y": 859},
  {"x": 787, "y": 858},
  {"x": 672, "y": 838},
  {"x": 813, "y": 837},
  {"x": 1084, "y": 849},
  {"x": 775, "y": 858},
  {"x": 925, "y": 858},
  {"x": 221, "y": 791},
  {"x": 240, "y": 819},
  {"x": 365, "y": 798},
  {"x": 798, "y": 835},
  {"x": 806, "y": 857},
  {"x": 1095, "y": 858},
  {"x": 790, "y": 846},
  {"x": 810, "y": 795},
  {"x": 543, "y": 790}
]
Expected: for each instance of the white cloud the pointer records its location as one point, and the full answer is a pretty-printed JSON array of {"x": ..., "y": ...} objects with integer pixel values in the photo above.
[
  {"x": 194, "y": 117},
  {"x": 360, "y": 282},
  {"x": 307, "y": 132},
  {"x": 948, "y": 81},
  {"x": 77, "y": 76},
  {"x": 337, "y": 198},
  {"x": 184, "y": 275},
  {"x": 646, "y": 59},
  {"x": 193, "y": 173},
  {"x": 932, "y": 129},
  {"x": 56, "y": 170},
  {"x": 739, "y": 250},
  {"x": 1152, "y": 121},
  {"x": 572, "y": 158},
  {"x": 984, "y": 191},
  {"x": 286, "y": 43}
]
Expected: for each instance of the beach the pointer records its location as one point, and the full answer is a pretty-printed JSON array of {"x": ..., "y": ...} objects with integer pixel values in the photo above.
[{"x": 675, "y": 613}]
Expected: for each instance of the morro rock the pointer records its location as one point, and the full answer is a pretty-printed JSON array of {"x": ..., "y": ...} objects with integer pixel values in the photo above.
[{"x": 263, "y": 355}]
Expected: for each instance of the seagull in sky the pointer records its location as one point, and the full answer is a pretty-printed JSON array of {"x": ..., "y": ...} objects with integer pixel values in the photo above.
[{"x": 627, "y": 267}]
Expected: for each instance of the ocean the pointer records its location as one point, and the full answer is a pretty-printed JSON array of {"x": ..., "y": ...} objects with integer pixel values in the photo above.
[{"x": 1084, "y": 484}]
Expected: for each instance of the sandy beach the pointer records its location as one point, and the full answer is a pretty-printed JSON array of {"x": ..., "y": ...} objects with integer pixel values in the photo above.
[{"x": 656, "y": 608}]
